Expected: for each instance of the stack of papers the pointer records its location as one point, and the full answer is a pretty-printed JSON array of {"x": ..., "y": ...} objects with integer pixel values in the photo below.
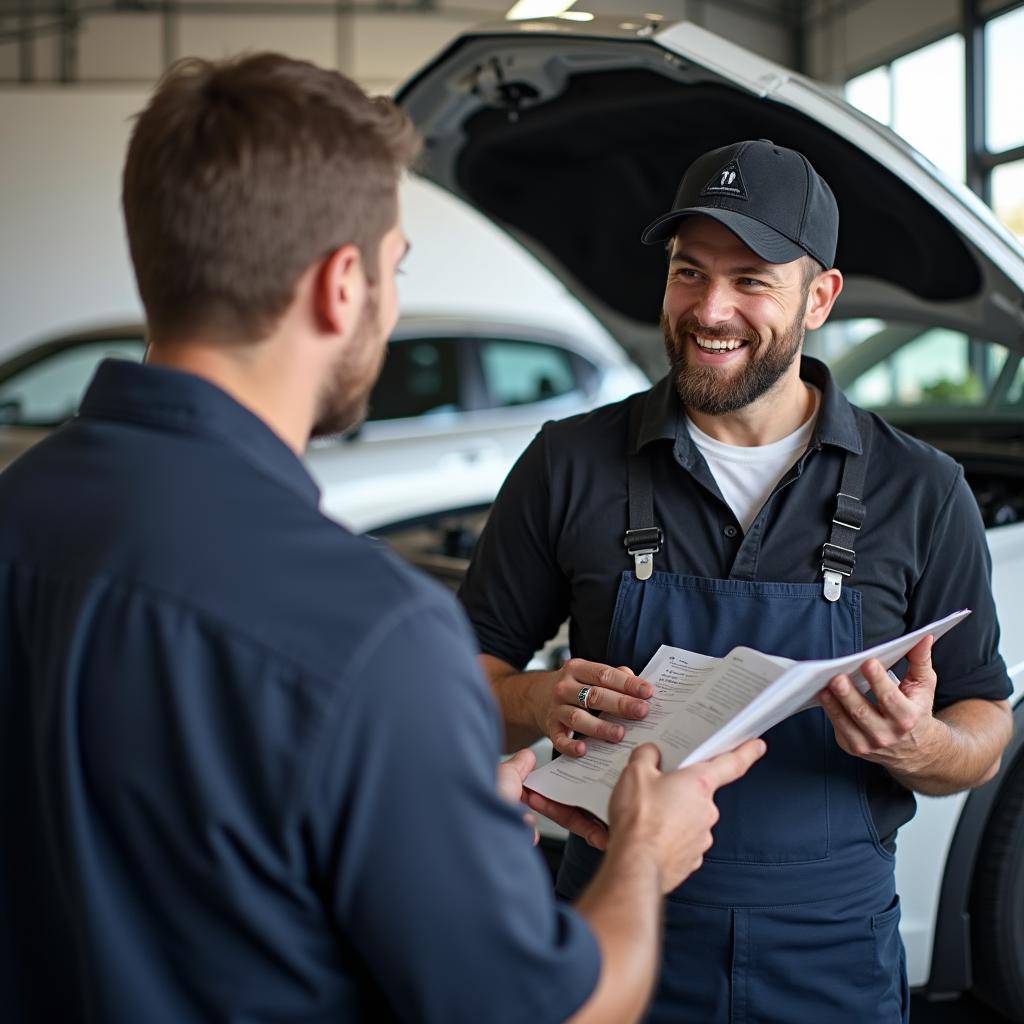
[{"x": 705, "y": 706}]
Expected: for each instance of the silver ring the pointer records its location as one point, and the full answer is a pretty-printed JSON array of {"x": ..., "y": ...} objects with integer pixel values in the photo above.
[{"x": 581, "y": 698}]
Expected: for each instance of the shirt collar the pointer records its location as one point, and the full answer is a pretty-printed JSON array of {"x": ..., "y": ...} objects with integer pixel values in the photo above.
[
  {"x": 662, "y": 415},
  {"x": 172, "y": 400}
]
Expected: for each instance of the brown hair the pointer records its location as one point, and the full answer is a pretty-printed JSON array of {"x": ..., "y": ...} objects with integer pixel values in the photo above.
[{"x": 242, "y": 174}]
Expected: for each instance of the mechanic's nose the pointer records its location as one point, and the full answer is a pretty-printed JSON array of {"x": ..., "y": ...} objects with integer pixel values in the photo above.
[{"x": 714, "y": 305}]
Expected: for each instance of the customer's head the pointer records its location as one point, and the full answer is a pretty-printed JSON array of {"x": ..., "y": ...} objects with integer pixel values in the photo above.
[{"x": 242, "y": 175}]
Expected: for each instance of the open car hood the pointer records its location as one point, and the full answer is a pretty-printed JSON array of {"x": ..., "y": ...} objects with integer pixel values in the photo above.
[{"x": 572, "y": 137}]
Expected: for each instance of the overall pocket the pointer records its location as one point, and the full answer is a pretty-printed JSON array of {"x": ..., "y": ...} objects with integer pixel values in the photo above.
[{"x": 779, "y": 812}]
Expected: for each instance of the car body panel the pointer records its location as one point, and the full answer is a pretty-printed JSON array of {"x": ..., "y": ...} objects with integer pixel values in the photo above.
[
  {"x": 924, "y": 844},
  {"x": 390, "y": 470}
]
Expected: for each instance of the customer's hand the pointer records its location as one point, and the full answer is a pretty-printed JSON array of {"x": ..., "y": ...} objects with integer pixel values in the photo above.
[
  {"x": 669, "y": 815},
  {"x": 511, "y": 775}
]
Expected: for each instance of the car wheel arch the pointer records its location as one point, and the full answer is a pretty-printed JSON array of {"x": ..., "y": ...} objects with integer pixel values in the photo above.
[{"x": 951, "y": 963}]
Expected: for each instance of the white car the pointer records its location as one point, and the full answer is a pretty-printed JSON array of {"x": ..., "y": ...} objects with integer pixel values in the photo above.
[
  {"x": 573, "y": 135},
  {"x": 456, "y": 403}
]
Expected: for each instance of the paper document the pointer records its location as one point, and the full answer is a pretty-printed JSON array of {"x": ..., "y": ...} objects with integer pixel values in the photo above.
[{"x": 704, "y": 706}]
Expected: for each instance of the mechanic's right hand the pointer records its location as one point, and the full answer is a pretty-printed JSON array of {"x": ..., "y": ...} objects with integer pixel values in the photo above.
[
  {"x": 616, "y": 691},
  {"x": 669, "y": 815}
]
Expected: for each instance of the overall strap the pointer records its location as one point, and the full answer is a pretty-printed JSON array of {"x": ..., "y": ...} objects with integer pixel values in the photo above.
[
  {"x": 838, "y": 558},
  {"x": 643, "y": 539}
]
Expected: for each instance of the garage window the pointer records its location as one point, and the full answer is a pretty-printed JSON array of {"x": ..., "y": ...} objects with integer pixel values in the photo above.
[
  {"x": 1004, "y": 81},
  {"x": 1008, "y": 195},
  {"x": 921, "y": 96}
]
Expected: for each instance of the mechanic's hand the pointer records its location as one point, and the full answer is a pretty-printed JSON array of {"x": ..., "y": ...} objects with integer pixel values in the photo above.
[
  {"x": 616, "y": 691},
  {"x": 511, "y": 775},
  {"x": 670, "y": 815},
  {"x": 899, "y": 730}
]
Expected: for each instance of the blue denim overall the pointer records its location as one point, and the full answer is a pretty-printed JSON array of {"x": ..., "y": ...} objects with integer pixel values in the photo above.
[{"x": 793, "y": 918}]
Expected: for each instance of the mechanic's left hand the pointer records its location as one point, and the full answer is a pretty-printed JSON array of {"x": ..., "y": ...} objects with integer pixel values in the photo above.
[
  {"x": 899, "y": 730},
  {"x": 511, "y": 775}
]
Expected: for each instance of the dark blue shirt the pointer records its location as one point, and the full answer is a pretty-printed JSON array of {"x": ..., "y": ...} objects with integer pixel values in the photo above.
[
  {"x": 247, "y": 759},
  {"x": 553, "y": 546}
]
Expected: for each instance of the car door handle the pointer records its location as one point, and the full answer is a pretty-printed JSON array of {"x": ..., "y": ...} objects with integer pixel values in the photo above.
[{"x": 469, "y": 454}]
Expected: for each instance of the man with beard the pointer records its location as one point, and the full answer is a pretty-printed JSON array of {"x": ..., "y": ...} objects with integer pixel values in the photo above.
[
  {"x": 248, "y": 759},
  {"x": 743, "y": 501}
]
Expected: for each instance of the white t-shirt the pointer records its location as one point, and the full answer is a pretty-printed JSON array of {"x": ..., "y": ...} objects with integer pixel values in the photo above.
[{"x": 747, "y": 476}]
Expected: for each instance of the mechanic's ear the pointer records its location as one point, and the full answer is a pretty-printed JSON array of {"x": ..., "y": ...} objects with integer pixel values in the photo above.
[{"x": 821, "y": 297}]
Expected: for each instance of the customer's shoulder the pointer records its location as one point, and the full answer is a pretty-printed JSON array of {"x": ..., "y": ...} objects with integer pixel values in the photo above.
[{"x": 363, "y": 565}]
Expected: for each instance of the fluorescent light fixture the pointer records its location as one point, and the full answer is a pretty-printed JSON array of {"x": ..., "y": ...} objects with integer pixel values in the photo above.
[
  {"x": 576, "y": 16},
  {"x": 524, "y": 9}
]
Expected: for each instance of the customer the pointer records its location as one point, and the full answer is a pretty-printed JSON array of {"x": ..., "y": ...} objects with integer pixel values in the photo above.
[{"x": 247, "y": 759}]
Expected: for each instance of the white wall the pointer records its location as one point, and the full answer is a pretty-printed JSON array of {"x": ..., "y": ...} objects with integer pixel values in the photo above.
[
  {"x": 64, "y": 262},
  {"x": 63, "y": 259}
]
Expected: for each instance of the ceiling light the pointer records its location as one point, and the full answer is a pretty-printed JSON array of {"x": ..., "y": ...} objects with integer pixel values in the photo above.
[{"x": 523, "y": 9}]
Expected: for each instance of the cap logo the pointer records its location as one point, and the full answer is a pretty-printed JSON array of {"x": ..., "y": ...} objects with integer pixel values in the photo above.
[{"x": 726, "y": 182}]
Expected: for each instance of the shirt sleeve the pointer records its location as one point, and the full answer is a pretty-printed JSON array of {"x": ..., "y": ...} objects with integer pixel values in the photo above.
[
  {"x": 515, "y": 593},
  {"x": 431, "y": 875},
  {"x": 958, "y": 574}
]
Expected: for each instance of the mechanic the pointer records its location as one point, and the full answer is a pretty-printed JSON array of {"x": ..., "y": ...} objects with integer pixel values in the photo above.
[
  {"x": 743, "y": 501},
  {"x": 247, "y": 759}
]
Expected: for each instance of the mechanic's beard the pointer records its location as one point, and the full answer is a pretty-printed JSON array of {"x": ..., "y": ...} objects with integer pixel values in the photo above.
[
  {"x": 716, "y": 391},
  {"x": 345, "y": 397}
]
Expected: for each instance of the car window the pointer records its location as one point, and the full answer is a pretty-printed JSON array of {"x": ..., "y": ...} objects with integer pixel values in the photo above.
[
  {"x": 420, "y": 377},
  {"x": 897, "y": 365},
  {"x": 49, "y": 391},
  {"x": 520, "y": 372}
]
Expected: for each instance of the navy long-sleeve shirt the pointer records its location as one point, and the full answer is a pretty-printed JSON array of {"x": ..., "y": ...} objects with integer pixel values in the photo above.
[{"x": 247, "y": 760}]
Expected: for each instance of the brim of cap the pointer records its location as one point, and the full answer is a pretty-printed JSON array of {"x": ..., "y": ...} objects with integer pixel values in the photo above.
[{"x": 766, "y": 242}]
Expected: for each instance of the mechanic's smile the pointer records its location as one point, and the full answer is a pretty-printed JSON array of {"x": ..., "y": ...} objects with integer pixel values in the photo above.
[{"x": 719, "y": 344}]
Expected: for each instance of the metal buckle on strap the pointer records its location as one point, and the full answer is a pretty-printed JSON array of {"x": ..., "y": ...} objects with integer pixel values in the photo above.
[
  {"x": 837, "y": 562},
  {"x": 643, "y": 545},
  {"x": 849, "y": 526},
  {"x": 848, "y": 507},
  {"x": 833, "y": 584},
  {"x": 845, "y": 558}
]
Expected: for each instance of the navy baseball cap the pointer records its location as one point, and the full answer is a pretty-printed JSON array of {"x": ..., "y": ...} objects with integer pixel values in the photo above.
[{"x": 770, "y": 197}]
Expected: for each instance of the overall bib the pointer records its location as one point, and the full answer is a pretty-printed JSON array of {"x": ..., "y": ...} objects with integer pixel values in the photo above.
[{"x": 793, "y": 917}]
